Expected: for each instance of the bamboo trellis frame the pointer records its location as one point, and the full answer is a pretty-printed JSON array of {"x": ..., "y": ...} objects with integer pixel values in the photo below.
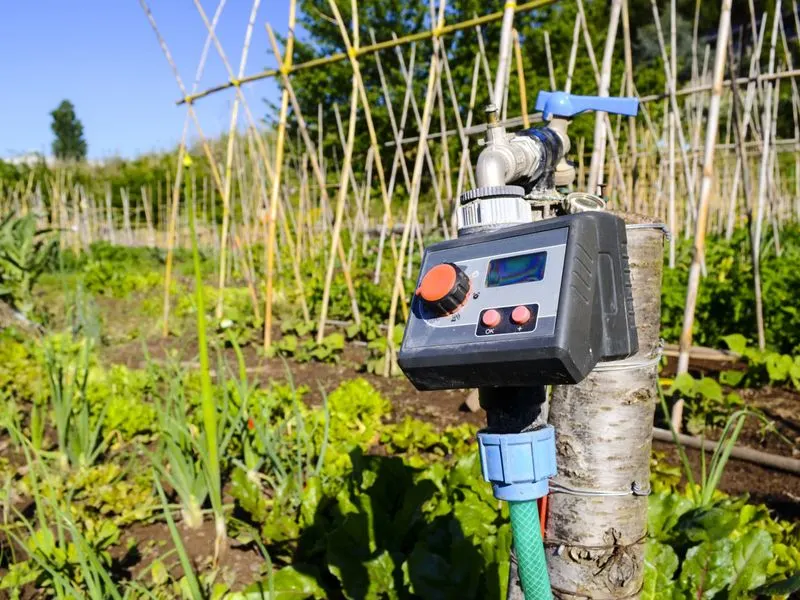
[{"x": 276, "y": 183}]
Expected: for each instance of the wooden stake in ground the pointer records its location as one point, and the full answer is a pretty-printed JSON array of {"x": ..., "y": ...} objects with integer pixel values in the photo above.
[
  {"x": 416, "y": 178},
  {"x": 276, "y": 184},
  {"x": 693, "y": 285},
  {"x": 762, "y": 178},
  {"x": 600, "y": 131}
]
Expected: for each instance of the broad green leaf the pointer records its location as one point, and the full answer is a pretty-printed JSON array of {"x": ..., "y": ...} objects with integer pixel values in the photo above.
[
  {"x": 297, "y": 582},
  {"x": 731, "y": 377},
  {"x": 660, "y": 564},
  {"x": 663, "y": 512},
  {"x": 707, "y": 569},
  {"x": 249, "y": 496},
  {"x": 778, "y": 367},
  {"x": 751, "y": 554},
  {"x": 158, "y": 573},
  {"x": 312, "y": 494},
  {"x": 708, "y": 388},
  {"x": 736, "y": 342},
  {"x": 370, "y": 579},
  {"x": 475, "y": 516},
  {"x": 708, "y": 523},
  {"x": 685, "y": 384}
]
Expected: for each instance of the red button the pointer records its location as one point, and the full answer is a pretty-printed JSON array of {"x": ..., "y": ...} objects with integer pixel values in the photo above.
[
  {"x": 521, "y": 315},
  {"x": 491, "y": 318}
]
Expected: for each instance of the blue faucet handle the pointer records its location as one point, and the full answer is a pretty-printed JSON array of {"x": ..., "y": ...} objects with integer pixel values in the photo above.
[{"x": 561, "y": 104}]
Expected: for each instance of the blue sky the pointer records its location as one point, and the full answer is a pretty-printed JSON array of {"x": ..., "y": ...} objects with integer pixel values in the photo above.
[{"x": 103, "y": 56}]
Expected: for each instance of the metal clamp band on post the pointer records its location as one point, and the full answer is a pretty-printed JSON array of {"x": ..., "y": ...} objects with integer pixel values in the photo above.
[
  {"x": 627, "y": 364},
  {"x": 518, "y": 465},
  {"x": 660, "y": 226},
  {"x": 636, "y": 489}
]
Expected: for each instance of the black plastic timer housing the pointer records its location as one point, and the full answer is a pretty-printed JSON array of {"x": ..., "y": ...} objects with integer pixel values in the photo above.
[{"x": 547, "y": 301}]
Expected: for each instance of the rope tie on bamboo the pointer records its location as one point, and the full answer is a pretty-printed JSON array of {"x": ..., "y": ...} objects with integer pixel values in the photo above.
[
  {"x": 188, "y": 99},
  {"x": 352, "y": 52},
  {"x": 508, "y": 5},
  {"x": 438, "y": 31}
]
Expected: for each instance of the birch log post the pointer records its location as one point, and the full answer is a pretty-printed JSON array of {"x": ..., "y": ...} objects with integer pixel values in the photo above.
[{"x": 597, "y": 509}]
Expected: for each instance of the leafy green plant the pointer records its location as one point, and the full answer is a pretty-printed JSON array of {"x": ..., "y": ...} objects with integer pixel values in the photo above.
[
  {"x": 726, "y": 300},
  {"x": 703, "y": 544},
  {"x": 292, "y": 344},
  {"x": 107, "y": 278},
  {"x": 79, "y": 432},
  {"x": 706, "y": 402},
  {"x": 25, "y": 254},
  {"x": 763, "y": 367}
]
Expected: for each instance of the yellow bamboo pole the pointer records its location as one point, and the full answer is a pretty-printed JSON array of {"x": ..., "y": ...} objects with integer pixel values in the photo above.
[
  {"x": 276, "y": 183},
  {"x": 523, "y": 96},
  {"x": 181, "y": 151},
  {"x": 397, "y": 289},
  {"x": 312, "y": 156},
  {"x": 352, "y": 49},
  {"x": 340, "y": 201}
]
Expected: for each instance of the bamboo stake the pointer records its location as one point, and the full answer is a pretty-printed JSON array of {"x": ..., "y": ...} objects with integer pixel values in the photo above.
[
  {"x": 276, "y": 182},
  {"x": 669, "y": 71},
  {"x": 352, "y": 52},
  {"x": 548, "y": 54},
  {"x": 523, "y": 95},
  {"x": 364, "y": 50},
  {"x": 762, "y": 179},
  {"x": 632, "y": 137},
  {"x": 318, "y": 173},
  {"x": 416, "y": 178},
  {"x": 504, "y": 53},
  {"x": 226, "y": 191},
  {"x": 399, "y": 157},
  {"x": 573, "y": 52},
  {"x": 705, "y": 196},
  {"x": 190, "y": 113},
  {"x": 741, "y": 160},
  {"x": 600, "y": 130},
  {"x": 339, "y": 214}
]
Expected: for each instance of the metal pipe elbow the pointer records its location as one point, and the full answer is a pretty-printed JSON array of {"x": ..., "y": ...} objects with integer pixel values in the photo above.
[{"x": 491, "y": 167}]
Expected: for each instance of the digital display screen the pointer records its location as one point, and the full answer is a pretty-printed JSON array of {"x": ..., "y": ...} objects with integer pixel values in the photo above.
[{"x": 522, "y": 268}]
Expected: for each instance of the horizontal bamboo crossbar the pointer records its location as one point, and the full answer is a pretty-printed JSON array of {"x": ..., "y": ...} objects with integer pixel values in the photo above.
[
  {"x": 739, "y": 81},
  {"x": 363, "y": 50}
]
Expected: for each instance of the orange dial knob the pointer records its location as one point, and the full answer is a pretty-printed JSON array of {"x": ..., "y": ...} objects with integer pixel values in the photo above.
[{"x": 444, "y": 288}]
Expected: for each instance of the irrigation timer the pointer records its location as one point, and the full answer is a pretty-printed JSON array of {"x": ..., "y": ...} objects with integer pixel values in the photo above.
[
  {"x": 533, "y": 304},
  {"x": 536, "y": 289}
]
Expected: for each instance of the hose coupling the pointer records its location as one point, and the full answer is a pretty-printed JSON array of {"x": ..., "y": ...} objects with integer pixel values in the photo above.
[{"x": 518, "y": 465}]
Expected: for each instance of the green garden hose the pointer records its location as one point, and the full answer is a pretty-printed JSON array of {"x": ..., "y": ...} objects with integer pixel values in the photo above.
[{"x": 530, "y": 550}]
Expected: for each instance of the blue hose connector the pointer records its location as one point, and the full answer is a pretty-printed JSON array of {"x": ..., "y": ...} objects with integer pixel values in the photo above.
[{"x": 518, "y": 465}]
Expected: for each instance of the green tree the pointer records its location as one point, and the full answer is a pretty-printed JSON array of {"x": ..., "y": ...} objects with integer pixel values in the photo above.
[{"x": 68, "y": 129}]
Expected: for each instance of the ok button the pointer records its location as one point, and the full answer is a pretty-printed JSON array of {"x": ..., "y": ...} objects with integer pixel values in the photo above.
[{"x": 491, "y": 318}]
